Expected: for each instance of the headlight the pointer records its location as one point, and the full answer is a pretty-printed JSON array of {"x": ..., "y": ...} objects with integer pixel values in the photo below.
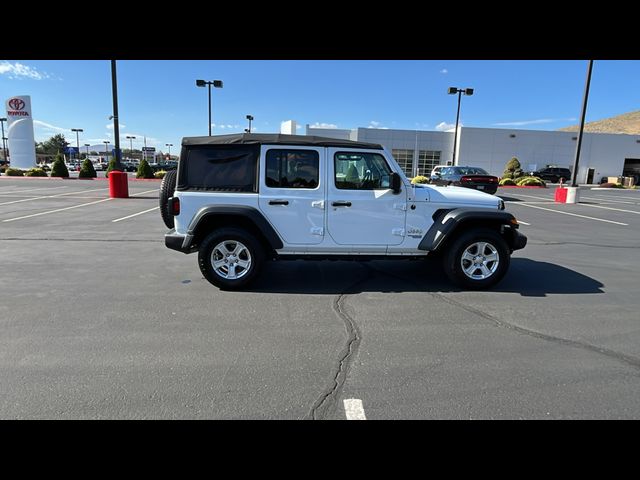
[{"x": 501, "y": 205}]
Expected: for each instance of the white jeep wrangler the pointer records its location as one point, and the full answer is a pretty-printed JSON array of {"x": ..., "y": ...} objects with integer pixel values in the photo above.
[{"x": 239, "y": 200}]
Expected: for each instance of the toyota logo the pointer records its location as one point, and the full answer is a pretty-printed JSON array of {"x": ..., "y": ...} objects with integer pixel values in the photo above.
[{"x": 16, "y": 104}]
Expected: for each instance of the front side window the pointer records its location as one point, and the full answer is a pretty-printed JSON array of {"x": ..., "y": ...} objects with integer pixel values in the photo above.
[
  {"x": 361, "y": 171},
  {"x": 292, "y": 168}
]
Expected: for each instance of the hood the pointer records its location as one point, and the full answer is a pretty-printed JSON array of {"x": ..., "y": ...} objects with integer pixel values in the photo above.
[{"x": 455, "y": 195}]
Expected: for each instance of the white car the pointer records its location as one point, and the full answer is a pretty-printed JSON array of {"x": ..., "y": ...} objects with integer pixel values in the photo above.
[{"x": 240, "y": 200}]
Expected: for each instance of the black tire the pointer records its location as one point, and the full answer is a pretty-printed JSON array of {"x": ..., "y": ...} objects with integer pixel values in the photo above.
[
  {"x": 250, "y": 249},
  {"x": 455, "y": 266},
  {"x": 167, "y": 187}
]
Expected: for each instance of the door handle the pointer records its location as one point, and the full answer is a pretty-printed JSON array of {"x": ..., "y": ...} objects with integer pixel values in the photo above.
[
  {"x": 341, "y": 204},
  {"x": 278, "y": 202}
]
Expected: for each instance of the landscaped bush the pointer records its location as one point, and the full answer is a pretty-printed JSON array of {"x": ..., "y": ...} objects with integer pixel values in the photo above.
[
  {"x": 3, "y": 168},
  {"x": 14, "y": 172},
  {"x": 36, "y": 172},
  {"x": 160, "y": 174},
  {"x": 87, "y": 170},
  {"x": 507, "y": 175},
  {"x": 610, "y": 185},
  {"x": 144, "y": 170},
  {"x": 111, "y": 166},
  {"x": 420, "y": 179},
  {"x": 513, "y": 169},
  {"x": 530, "y": 182},
  {"x": 59, "y": 169},
  {"x": 507, "y": 181}
]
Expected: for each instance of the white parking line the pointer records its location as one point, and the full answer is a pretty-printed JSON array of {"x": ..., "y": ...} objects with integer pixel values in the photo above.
[
  {"x": 51, "y": 196},
  {"x": 610, "y": 208},
  {"x": 3, "y": 192},
  {"x": 615, "y": 199},
  {"x": 353, "y": 409},
  {"x": 607, "y": 201},
  {"x": 54, "y": 211},
  {"x": 524, "y": 223},
  {"x": 142, "y": 193},
  {"x": 574, "y": 214},
  {"x": 134, "y": 215},
  {"x": 532, "y": 196}
]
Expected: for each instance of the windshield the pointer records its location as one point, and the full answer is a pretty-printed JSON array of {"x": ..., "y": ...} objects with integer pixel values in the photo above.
[{"x": 469, "y": 171}]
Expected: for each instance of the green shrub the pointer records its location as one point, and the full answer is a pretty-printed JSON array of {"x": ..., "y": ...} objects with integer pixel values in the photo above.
[
  {"x": 530, "y": 182},
  {"x": 87, "y": 170},
  {"x": 420, "y": 179},
  {"x": 160, "y": 174},
  {"x": 507, "y": 181},
  {"x": 144, "y": 170},
  {"x": 517, "y": 173},
  {"x": 507, "y": 175},
  {"x": 111, "y": 166},
  {"x": 59, "y": 169},
  {"x": 3, "y": 168},
  {"x": 14, "y": 172},
  {"x": 513, "y": 164},
  {"x": 36, "y": 172}
]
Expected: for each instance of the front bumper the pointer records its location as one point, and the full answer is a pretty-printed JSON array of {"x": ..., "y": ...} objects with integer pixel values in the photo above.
[
  {"x": 178, "y": 241},
  {"x": 519, "y": 240}
]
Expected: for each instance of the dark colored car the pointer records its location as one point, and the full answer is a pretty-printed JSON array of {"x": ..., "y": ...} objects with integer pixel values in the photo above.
[
  {"x": 469, "y": 177},
  {"x": 554, "y": 174}
]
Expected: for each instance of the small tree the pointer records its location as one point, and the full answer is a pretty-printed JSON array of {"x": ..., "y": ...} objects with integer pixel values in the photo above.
[
  {"x": 111, "y": 166},
  {"x": 59, "y": 169},
  {"x": 87, "y": 170},
  {"x": 513, "y": 169},
  {"x": 144, "y": 170}
]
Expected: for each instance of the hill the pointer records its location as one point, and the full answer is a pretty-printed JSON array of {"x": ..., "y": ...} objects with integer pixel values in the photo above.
[{"x": 628, "y": 123}]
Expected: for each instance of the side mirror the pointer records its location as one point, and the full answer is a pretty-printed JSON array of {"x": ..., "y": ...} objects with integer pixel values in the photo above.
[{"x": 396, "y": 182}]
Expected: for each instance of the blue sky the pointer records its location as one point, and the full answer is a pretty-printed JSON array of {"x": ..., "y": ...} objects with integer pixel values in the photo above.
[{"x": 159, "y": 99}]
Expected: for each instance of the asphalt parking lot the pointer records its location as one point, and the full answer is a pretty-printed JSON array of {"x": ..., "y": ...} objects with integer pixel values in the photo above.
[{"x": 99, "y": 320}]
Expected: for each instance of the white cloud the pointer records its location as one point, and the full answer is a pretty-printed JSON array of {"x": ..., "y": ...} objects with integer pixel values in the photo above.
[
  {"x": 444, "y": 71},
  {"x": 19, "y": 70},
  {"x": 533, "y": 122},
  {"x": 374, "y": 124},
  {"x": 322, "y": 125},
  {"x": 50, "y": 128},
  {"x": 446, "y": 127},
  {"x": 109, "y": 126},
  {"x": 224, "y": 126}
]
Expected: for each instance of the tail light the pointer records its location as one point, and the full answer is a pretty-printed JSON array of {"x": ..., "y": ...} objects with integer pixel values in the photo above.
[
  {"x": 465, "y": 179},
  {"x": 174, "y": 206}
]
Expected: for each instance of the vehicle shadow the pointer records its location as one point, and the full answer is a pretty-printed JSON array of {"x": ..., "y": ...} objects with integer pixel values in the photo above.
[{"x": 526, "y": 277}]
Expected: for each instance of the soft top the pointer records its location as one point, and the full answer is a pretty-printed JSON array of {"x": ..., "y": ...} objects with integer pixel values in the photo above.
[{"x": 277, "y": 139}]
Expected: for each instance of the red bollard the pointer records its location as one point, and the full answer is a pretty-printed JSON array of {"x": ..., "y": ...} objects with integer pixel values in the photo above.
[
  {"x": 561, "y": 195},
  {"x": 118, "y": 184}
]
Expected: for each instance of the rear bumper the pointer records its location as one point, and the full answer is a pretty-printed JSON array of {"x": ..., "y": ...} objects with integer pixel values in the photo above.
[{"x": 178, "y": 241}]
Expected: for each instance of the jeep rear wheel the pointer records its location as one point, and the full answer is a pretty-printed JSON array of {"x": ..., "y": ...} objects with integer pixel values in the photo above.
[
  {"x": 167, "y": 187},
  {"x": 230, "y": 258},
  {"x": 477, "y": 259}
]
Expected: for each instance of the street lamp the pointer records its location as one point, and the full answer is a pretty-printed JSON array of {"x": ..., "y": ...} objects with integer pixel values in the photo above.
[
  {"x": 4, "y": 148},
  {"x": 250, "y": 118},
  {"x": 87, "y": 145},
  {"x": 170, "y": 145},
  {"x": 216, "y": 84},
  {"x": 106, "y": 149},
  {"x": 131, "y": 139},
  {"x": 77, "y": 130},
  {"x": 459, "y": 91}
]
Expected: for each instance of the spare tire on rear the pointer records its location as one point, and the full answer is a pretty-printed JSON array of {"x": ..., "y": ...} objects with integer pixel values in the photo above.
[{"x": 167, "y": 187}]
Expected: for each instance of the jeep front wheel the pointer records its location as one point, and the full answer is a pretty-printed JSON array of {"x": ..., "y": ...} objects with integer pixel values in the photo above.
[
  {"x": 230, "y": 258},
  {"x": 477, "y": 259}
]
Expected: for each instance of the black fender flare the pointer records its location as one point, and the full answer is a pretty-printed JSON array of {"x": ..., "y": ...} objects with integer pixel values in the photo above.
[
  {"x": 250, "y": 213},
  {"x": 447, "y": 223}
]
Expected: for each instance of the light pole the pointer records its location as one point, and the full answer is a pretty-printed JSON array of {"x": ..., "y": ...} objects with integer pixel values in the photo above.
[
  {"x": 459, "y": 91},
  {"x": 4, "y": 148},
  {"x": 169, "y": 145},
  {"x": 574, "y": 176},
  {"x": 216, "y": 84},
  {"x": 87, "y": 145},
  {"x": 131, "y": 139},
  {"x": 77, "y": 130},
  {"x": 116, "y": 120},
  {"x": 250, "y": 118},
  {"x": 106, "y": 149}
]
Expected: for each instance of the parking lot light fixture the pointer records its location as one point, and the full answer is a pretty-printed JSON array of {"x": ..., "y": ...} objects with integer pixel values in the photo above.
[
  {"x": 87, "y": 145},
  {"x": 206, "y": 83},
  {"x": 250, "y": 118},
  {"x": 106, "y": 149},
  {"x": 131, "y": 139},
  {"x": 77, "y": 130},
  {"x": 4, "y": 148},
  {"x": 169, "y": 145},
  {"x": 459, "y": 91}
]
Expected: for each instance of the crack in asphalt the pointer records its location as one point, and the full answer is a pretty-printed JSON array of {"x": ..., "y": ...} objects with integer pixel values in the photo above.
[
  {"x": 620, "y": 357},
  {"x": 328, "y": 397}
]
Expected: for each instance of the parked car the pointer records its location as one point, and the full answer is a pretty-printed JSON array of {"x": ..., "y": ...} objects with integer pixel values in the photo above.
[
  {"x": 554, "y": 174},
  {"x": 469, "y": 177},
  {"x": 436, "y": 170}
]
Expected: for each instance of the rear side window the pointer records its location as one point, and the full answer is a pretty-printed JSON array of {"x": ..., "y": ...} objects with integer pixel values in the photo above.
[
  {"x": 292, "y": 168},
  {"x": 223, "y": 168}
]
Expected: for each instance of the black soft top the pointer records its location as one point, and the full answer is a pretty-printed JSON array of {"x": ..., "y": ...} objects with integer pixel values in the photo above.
[{"x": 277, "y": 139}]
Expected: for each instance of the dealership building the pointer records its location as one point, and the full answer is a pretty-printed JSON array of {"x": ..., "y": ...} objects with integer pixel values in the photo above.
[{"x": 417, "y": 152}]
